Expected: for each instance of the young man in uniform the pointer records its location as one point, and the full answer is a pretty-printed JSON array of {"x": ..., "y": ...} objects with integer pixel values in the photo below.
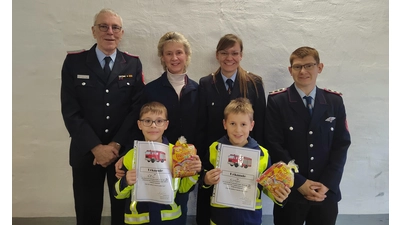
[{"x": 308, "y": 124}]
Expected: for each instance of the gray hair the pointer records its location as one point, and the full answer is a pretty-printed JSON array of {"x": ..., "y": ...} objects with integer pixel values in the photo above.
[{"x": 105, "y": 10}]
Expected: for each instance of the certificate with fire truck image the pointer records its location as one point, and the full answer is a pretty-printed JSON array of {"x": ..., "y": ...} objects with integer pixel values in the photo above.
[
  {"x": 237, "y": 187},
  {"x": 154, "y": 181}
]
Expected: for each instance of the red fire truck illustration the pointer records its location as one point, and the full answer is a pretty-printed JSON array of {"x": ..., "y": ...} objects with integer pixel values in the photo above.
[
  {"x": 154, "y": 156},
  {"x": 239, "y": 160}
]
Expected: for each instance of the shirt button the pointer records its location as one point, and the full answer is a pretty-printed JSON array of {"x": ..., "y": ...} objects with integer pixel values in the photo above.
[
  {"x": 311, "y": 145},
  {"x": 312, "y": 170},
  {"x": 290, "y": 128},
  {"x": 128, "y": 83},
  {"x": 332, "y": 128},
  {"x": 106, "y": 130},
  {"x": 310, "y": 132},
  {"x": 312, "y": 158},
  {"x": 107, "y": 91},
  {"x": 107, "y": 117},
  {"x": 83, "y": 83},
  {"x": 107, "y": 104}
]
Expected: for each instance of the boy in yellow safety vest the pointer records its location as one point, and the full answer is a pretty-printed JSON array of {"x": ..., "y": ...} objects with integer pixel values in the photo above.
[
  {"x": 153, "y": 122},
  {"x": 238, "y": 122}
]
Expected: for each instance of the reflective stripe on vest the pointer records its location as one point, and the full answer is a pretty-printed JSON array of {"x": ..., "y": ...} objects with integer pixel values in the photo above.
[{"x": 135, "y": 218}]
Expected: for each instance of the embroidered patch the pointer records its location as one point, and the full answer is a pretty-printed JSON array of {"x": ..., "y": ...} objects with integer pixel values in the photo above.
[
  {"x": 330, "y": 119},
  {"x": 332, "y": 91},
  {"x": 76, "y": 51},
  {"x": 121, "y": 77},
  {"x": 81, "y": 76},
  {"x": 280, "y": 90}
]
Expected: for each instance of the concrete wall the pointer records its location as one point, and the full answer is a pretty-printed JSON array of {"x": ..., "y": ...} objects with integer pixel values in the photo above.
[{"x": 352, "y": 37}]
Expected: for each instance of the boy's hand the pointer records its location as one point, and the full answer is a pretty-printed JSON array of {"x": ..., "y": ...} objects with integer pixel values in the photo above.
[
  {"x": 281, "y": 193},
  {"x": 195, "y": 164},
  {"x": 212, "y": 176},
  {"x": 119, "y": 173},
  {"x": 131, "y": 177}
]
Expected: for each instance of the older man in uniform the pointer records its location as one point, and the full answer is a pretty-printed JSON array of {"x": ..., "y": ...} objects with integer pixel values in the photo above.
[
  {"x": 308, "y": 124},
  {"x": 99, "y": 93}
]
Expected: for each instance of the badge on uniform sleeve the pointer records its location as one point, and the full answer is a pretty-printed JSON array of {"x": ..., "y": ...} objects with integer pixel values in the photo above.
[
  {"x": 81, "y": 76},
  {"x": 330, "y": 119}
]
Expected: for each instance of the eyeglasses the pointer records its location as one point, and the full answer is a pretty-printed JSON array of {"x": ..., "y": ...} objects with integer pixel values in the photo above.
[
  {"x": 226, "y": 54},
  {"x": 308, "y": 67},
  {"x": 105, "y": 27},
  {"x": 148, "y": 123}
]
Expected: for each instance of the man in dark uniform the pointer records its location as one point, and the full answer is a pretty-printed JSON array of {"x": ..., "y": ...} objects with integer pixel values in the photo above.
[
  {"x": 312, "y": 131},
  {"x": 99, "y": 93}
]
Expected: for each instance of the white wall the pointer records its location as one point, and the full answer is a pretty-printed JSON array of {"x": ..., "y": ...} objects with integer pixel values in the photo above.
[{"x": 352, "y": 37}]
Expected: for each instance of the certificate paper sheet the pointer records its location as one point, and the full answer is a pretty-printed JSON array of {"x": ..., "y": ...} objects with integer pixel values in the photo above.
[
  {"x": 153, "y": 173},
  {"x": 237, "y": 187}
]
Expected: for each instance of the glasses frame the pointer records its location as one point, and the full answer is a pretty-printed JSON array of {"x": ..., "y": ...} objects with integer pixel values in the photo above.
[
  {"x": 153, "y": 121},
  {"x": 114, "y": 28},
  {"x": 307, "y": 67}
]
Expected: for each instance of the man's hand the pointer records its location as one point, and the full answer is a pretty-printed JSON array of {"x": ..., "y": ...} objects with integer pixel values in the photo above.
[
  {"x": 104, "y": 155},
  {"x": 115, "y": 145},
  {"x": 119, "y": 173},
  {"x": 313, "y": 191}
]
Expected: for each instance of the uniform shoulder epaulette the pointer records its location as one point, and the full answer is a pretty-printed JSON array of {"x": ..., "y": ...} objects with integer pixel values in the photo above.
[
  {"x": 131, "y": 55},
  {"x": 333, "y": 92},
  {"x": 277, "y": 91},
  {"x": 76, "y": 51}
]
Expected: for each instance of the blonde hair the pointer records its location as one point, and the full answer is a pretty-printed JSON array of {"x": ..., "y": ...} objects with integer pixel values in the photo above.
[
  {"x": 239, "y": 106},
  {"x": 227, "y": 41},
  {"x": 176, "y": 37},
  {"x": 153, "y": 107}
]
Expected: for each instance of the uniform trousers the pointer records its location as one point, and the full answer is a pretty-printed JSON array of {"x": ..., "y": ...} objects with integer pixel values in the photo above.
[
  {"x": 88, "y": 186},
  {"x": 313, "y": 214},
  {"x": 203, "y": 208}
]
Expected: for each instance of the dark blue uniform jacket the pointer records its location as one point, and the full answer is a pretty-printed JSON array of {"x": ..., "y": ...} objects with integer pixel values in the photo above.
[
  {"x": 96, "y": 110},
  {"x": 318, "y": 144}
]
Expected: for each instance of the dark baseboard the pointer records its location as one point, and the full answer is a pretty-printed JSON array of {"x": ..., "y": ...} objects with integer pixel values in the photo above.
[{"x": 367, "y": 219}]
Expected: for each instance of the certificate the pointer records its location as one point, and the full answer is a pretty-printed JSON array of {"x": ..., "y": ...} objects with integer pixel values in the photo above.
[
  {"x": 154, "y": 181},
  {"x": 237, "y": 187}
]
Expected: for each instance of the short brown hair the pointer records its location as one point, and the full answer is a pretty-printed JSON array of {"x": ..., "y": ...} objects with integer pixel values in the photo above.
[
  {"x": 239, "y": 105},
  {"x": 153, "y": 107},
  {"x": 304, "y": 52}
]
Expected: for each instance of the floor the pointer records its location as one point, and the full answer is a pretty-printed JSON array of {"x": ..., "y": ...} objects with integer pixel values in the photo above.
[{"x": 378, "y": 219}]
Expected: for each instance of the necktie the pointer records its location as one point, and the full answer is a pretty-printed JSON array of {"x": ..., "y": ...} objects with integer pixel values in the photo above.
[
  {"x": 230, "y": 85},
  {"x": 107, "y": 66},
  {"x": 309, "y": 106}
]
